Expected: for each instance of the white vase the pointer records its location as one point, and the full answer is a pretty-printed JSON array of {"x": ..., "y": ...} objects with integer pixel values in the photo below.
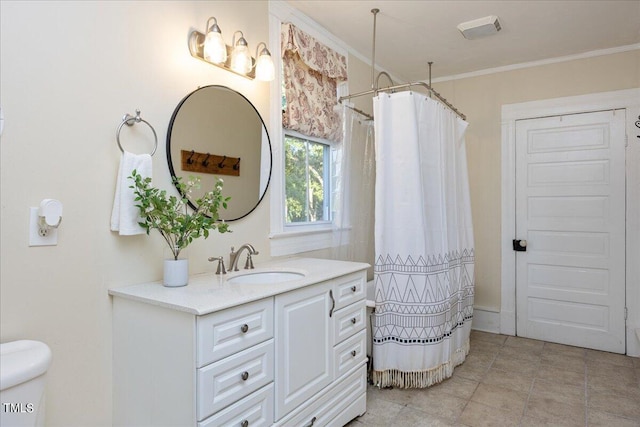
[{"x": 176, "y": 271}]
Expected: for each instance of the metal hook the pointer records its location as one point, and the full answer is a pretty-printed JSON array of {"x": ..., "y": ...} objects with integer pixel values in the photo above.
[
  {"x": 190, "y": 159},
  {"x": 237, "y": 165},
  {"x": 205, "y": 162},
  {"x": 221, "y": 164}
]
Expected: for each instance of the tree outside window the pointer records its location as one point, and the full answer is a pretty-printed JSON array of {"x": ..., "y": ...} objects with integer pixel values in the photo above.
[{"x": 307, "y": 182}]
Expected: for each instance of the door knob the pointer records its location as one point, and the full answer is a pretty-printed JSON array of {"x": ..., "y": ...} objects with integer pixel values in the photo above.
[{"x": 519, "y": 245}]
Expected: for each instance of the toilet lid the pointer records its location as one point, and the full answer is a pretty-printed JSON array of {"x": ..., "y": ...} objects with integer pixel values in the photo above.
[{"x": 21, "y": 361}]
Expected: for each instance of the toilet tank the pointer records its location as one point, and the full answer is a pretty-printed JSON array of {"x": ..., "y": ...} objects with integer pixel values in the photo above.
[{"x": 23, "y": 367}]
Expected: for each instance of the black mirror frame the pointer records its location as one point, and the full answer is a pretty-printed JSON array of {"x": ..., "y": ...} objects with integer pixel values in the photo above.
[{"x": 266, "y": 132}]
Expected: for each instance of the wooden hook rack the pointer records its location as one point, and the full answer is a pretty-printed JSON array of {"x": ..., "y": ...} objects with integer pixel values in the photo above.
[{"x": 194, "y": 161}]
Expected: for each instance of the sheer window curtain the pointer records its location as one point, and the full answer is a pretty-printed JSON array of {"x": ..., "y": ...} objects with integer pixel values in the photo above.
[{"x": 354, "y": 187}]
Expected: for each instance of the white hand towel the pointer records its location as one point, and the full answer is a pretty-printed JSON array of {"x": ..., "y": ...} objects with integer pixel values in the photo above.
[{"x": 125, "y": 215}]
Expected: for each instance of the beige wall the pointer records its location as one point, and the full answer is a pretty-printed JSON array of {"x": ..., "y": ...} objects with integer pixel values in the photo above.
[
  {"x": 481, "y": 99},
  {"x": 69, "y": 71}
]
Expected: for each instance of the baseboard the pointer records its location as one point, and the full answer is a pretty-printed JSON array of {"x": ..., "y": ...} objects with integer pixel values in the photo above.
[
  {"x": 633, "y": 341},
  {"x": 486, "y": 320}
]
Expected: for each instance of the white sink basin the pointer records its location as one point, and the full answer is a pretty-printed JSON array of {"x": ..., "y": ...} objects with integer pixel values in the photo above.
[{"x": 265, "y": 277}]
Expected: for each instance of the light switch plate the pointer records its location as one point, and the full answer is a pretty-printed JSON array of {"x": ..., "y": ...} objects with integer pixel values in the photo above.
[{"x": 35, "y": 239}]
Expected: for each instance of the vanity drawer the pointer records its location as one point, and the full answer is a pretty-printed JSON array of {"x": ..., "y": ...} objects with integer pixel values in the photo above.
[
  {"x": 349, "y": 321},
  {"x": 331, "y": 402},
  {"x": 349, "y": 289},
  {"x": 349, "y": 353},
  {"x": 229, "y": 380},
  {"x": 229, "y": 331},
  {"x": 254, "y": 410}
]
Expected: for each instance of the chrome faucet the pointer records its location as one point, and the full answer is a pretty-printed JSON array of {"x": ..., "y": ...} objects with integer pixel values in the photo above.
[{"x": 234, "y": 255}]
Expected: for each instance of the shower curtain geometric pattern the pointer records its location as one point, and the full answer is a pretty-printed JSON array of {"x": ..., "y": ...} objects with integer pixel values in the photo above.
[
  {"x": 424, "y": 267},
  {"x": 424, "y": 300}
]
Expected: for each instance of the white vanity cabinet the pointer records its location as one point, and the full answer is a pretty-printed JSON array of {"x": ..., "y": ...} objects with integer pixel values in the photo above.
[
  {"x": 291, "y": 355},
  {"x": 321, "y": 353}
]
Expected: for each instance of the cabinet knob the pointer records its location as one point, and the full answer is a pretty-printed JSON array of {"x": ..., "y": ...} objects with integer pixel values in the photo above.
[
  {"x": 353, "y": 353},
  {"x": 353, "y": 320},
  {"x": 245, "y": 376},
  {"x": 353, "y": 289},
  {"x": 244, "y": 328},
  {"x": 244, "y": 423}
]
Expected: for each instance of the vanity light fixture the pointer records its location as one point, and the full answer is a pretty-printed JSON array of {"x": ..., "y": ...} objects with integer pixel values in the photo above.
[
  {"x": 215, "y": 50},
  {"x": 241, "y": 60},
  {"x": 211, "y": 48},
  {"x": 265, "y": 70}
]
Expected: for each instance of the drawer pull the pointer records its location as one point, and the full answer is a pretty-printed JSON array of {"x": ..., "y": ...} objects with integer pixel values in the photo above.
[
  {"x": 244, "y": 423},
  {"x": 353, "y": 320},
  {"x": 353, "y": 353},
  {"x": 333, "y": 303},
  {"x": 312, "y": 422},
  {"x": 245, "y": 376},
  {"x": 353, "y": 289},
  {"x": 244, "y": 328}
]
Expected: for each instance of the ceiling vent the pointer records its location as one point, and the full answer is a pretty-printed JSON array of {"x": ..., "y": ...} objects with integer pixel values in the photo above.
[{"x": 480, "y": 27}]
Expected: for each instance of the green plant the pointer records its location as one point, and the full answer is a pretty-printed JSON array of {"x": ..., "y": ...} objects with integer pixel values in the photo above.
[{"x": 170, "y": 214}]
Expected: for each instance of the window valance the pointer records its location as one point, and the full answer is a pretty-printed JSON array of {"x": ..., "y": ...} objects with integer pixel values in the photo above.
[{"x": 311, "y": 74}]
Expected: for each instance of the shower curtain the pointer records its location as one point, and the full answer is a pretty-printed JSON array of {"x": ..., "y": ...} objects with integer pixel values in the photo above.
[{"x": 424, "y": 265}]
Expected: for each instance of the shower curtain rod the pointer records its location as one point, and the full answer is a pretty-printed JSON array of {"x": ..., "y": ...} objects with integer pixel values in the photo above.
[
  {"x": 368, "y": 116},
  {"x": 404, "y": 86},
  {"x": 374, "y": 83}
]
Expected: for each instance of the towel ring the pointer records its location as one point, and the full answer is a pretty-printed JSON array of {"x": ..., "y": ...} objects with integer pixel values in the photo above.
[{"x": 129, "y": 120}]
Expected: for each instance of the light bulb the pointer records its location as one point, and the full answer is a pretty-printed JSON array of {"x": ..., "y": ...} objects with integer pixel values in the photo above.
[
  {"x": 265, "y": 70},
  {"x": 214, "y": 48},
  {"x": 241, "y": 61}
]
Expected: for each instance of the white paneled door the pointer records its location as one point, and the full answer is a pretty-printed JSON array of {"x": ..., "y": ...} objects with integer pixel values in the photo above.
[{"x": 570, "y": 229}]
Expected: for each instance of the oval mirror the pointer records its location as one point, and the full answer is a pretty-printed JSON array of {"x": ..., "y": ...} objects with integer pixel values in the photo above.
[{"x": 215, "y": 132}]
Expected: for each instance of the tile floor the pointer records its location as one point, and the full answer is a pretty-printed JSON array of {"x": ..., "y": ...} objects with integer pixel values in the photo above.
[{"x": 511, "y": 381}]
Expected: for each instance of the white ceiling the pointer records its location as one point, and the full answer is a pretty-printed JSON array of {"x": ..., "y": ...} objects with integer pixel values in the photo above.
[{"x": 410, "y": 33}]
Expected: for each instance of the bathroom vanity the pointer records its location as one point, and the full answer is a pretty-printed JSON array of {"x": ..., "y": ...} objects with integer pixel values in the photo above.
[{"x": 284, "y": 344}]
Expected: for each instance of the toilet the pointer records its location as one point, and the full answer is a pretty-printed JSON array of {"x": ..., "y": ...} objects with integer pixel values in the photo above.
[{"x": 23, "y": 368}]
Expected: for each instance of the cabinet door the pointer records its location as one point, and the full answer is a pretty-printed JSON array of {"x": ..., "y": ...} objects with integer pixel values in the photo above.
[{"x": 304, "y": 362}]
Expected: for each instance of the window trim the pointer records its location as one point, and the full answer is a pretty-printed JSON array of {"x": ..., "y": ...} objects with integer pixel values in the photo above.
[{"x": 299, "y": 238}]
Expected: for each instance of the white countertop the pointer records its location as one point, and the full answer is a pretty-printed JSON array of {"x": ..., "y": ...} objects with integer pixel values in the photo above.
[{"x": 208, "y": 292}]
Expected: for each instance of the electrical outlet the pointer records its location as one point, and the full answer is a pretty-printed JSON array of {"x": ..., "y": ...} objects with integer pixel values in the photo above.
[{"x": 36, "y": 236}]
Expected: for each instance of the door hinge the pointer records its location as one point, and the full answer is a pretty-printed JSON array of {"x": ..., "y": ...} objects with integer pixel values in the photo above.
[
  {"x": 626, "y": 313},
  {"x": 626, "y": 140}
]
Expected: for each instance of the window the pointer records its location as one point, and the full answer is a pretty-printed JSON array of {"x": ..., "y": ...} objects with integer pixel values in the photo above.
[
  {"x": 308, "y": 131},
  {"x": 307, "y": 180}
]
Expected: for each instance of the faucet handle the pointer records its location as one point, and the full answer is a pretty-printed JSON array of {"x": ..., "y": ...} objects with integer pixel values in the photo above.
[
  {"x": 221, "y": 268},
  {"x": 249, "y": 264}
]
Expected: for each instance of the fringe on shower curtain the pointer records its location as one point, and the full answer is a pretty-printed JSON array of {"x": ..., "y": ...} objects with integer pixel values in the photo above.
[{"x": 420, "y": 379}]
